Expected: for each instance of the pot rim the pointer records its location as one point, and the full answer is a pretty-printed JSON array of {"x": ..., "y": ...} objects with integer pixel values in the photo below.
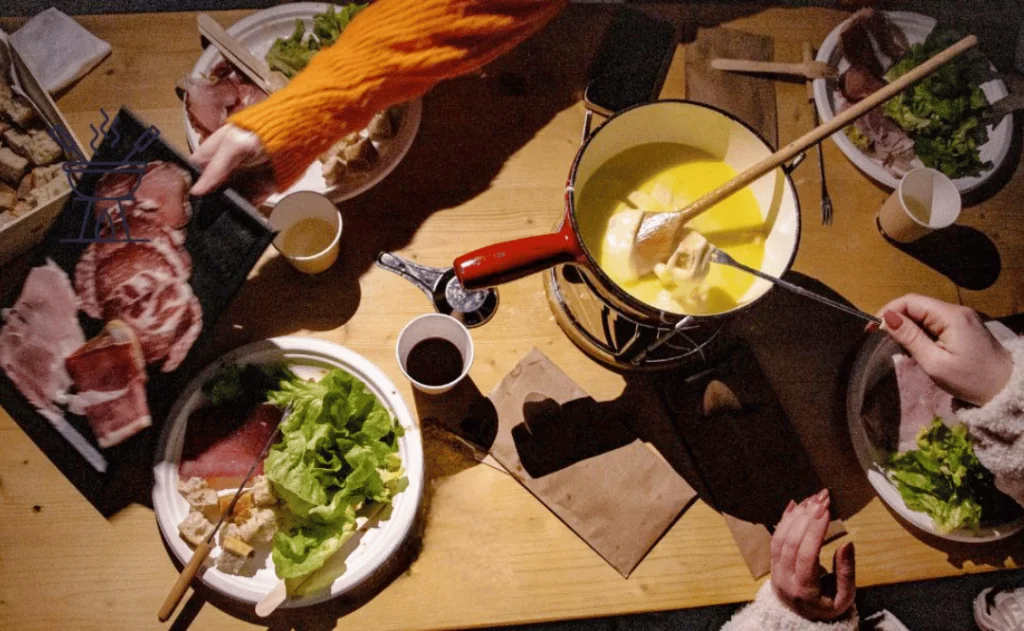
[{"x": 618, "y": 292}]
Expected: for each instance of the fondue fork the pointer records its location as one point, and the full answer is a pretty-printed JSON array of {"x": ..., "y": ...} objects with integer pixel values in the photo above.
[
  {"x": 720, "y": 257},
  {"x": 656, "y": 236},
  {"x": 826, "y": 200}
]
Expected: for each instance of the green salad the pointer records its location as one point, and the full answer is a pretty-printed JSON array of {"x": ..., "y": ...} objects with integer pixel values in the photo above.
[
  {"x": 944, "y": 479},
  {"x": 290, "y": 55},
  {"x": 338, "y": 451},
  {"x": 943, "y": 112}
]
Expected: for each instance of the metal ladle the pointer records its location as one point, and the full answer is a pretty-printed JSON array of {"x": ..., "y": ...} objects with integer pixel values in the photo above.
[{"x": 472, "y": 308}]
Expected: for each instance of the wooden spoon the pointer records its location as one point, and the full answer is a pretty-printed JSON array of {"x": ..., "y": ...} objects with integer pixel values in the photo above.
[
  {"x": 657, "y": 234},
  {"x": 807, "y": 69}
]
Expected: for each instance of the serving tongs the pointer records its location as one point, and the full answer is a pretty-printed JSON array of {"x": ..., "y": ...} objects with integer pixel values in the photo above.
[{"x": 239, "y": 56}]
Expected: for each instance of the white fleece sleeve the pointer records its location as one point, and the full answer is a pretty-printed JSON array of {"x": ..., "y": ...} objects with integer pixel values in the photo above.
[
  {"x": 997, "y": 429},
  {"x": 766, "y": 613}
]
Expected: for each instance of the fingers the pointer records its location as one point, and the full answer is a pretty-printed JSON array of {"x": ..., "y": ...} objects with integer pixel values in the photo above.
[
  {"x": 780, "y": 532},
  {"x": 217, "y": 169},
  {"x": 794, "y": 535},
  {"x": 931, "y": 313},
  {"x": 846, "y": 578},
  {"x": 911, "y": 337},
  {"x": 810, "y": 546}
]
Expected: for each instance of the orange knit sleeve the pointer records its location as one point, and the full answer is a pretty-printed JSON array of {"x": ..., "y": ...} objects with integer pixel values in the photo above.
[{"x": 393, "y": 51}]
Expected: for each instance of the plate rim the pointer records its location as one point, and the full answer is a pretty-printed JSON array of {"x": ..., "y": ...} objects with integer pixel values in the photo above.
[
  {"x": 361, "y": 368},
  {"x": 304, "y": 11},
  {"x": 885, "y": 490},
  {"x": 867, "y": 165}
]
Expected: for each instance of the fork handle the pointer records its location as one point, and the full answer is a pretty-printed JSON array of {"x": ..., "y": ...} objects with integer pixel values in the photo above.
[{"x": 796, "y": 289}]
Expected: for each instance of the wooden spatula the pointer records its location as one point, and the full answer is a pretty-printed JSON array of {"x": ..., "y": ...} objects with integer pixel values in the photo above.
[
  {"x": 252, "y": 66},
  {"x": 807, "y": 69},
  {"x": 657, "y": 235}
]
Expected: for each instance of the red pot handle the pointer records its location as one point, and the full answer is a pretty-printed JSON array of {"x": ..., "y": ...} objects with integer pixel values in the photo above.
[{"x": 504, "y": 262}]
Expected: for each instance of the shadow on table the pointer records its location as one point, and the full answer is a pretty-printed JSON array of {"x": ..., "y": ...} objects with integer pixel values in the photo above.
[{"x": 964, "y": 255}]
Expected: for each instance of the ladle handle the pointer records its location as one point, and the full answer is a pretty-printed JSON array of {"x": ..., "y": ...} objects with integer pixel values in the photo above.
[
  {"x": 503, "y": 262},
  {"x": 825, "y": 130},
  {"x": 422, "y": 276}
]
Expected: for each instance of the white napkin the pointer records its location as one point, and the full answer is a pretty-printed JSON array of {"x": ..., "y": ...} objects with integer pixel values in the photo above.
[{"x": 57, "y": 49}]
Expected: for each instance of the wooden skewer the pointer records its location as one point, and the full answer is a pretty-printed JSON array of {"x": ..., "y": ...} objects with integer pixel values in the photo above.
[
  {"x": 184, "y": 579},
  {"x": 239, "y": 56},
  {"x": 809, "y": 69},
  {"x": 656, "y": 236}
]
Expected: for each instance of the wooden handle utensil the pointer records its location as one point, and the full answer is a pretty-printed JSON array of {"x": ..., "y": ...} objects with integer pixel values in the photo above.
[
  {"x": 239, "y": 56},
  {"x": 655, "y": 237},
  {"x": 184, "y": 579},
  {"x": 809, "y": 68}
]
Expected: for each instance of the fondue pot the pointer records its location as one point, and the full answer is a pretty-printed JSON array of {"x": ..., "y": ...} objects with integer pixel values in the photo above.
[{"x": 598, "y": 314}]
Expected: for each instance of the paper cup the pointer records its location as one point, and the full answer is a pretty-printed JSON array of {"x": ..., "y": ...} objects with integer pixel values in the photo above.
[
  {"x": 925, "y": 201},
  {"x": 434, "y": 325},
  {"x": 305, "y": 221}
]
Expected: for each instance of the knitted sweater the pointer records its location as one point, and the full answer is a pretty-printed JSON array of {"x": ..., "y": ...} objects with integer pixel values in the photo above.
[
  {"x": 766, "y": 613},
  {"x": 997, "y": 429},
  {"x": 392, "y": 52}
]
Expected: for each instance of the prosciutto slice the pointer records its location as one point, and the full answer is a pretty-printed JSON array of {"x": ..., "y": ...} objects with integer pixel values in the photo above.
[
  {"x": 210, "y": 101},
  {"x": 109, "y": 374},
  {"x": 220, "y": 446},
  {"x": 146, "y": 286},
  {"x": 921, "y": 400},
  {"x": 162, "y": 192},
  {"x": 40, "y": 330},
  {"x": 889, "y": 144}
]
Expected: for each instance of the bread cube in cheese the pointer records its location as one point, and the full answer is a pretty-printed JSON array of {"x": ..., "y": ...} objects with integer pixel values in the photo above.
[{"x": 195, "y": 528}]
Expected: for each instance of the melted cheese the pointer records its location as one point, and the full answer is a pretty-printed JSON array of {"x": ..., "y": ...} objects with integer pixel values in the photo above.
[{"x": 660, "y": 177}]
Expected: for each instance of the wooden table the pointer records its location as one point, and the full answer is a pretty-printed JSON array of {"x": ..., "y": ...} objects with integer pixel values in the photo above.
[{"x": 489, "y": 164}]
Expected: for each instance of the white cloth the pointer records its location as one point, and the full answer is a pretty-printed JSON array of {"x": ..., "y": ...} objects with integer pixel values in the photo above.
[
  {"x": 58, "y": 50},
  {"x": 766, "y": 613}
]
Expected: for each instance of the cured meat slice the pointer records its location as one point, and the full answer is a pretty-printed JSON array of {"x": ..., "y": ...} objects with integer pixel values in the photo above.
[
  {"x": 162, "y": 191},
  {"x": 109, "y": 374},
  {"x": 40, "y": 330},
  {"x": 144, "y": 284},
  {"x": 867, "y": 29},
  {"x": 858, "y": 83},
  {"x": 888, "y": 143},
  {"x": 221, "y": 445},
  {"x": 921, "y": 400},
  {"x": 210, "y": 101}
]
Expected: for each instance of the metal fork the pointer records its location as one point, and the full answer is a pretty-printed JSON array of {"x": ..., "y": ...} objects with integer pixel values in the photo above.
[
  {"x": 826, "y": 201},
  {"x": 720, "y": 257}
]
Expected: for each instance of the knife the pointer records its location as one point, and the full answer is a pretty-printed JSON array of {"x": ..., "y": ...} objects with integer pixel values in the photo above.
[
  {"x": 203, "y": 549},
  {"x": 238, "y": 55}
]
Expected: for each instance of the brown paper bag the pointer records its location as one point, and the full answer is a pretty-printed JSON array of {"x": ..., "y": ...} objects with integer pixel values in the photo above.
[
  {"x": 749, "y": 98},
  {"x": 582, "y": 463}
]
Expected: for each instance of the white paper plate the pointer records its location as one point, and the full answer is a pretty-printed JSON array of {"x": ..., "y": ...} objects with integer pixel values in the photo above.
[
  {"x": 369, "y": 549},
  {"x": 258, "y": 32},
  {"x": 916, "y": 27},
  {"x": 873, "y": 363}
]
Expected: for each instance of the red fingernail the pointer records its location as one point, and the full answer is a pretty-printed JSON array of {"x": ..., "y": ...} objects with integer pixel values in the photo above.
[
  {"x": 790, "y": 506},
  {"x": 892, "y": 320}
]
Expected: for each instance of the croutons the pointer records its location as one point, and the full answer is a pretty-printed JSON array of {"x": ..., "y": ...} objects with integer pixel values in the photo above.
[
  {"x": 8, "y": 197},
  {"x": 263, "y": 492},
  {"x": 35, "y": 144},
  {"x": 195, "y": 529},
  {"x": 361, "y": 155},
  {"x": 381, "y": 126},
  {"x": 230, "y": 562},
  {"x": 17, "y": 109},
  {"x": 200, "y": 497},
  {"x": 12, "y": 166},
  {"x": 334, "y": 170}
]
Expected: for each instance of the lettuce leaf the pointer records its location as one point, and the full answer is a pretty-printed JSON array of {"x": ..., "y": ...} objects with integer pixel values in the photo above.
[
  {"x": 338, "y": 451},
  {"x": 290, "y": 55},
  {"x": 944, "y": 479}
]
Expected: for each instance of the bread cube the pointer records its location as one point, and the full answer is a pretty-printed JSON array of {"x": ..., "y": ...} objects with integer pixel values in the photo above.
[
  {"x": 12, "y": 166},
  {"x": 195, "y": 528}
]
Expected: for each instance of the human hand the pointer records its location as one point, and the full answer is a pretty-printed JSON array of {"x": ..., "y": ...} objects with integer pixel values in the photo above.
[
  {"x": 965, "y": 359},
  {"x": 233, "y": 155},
  {"x": 796, "y": 573}
]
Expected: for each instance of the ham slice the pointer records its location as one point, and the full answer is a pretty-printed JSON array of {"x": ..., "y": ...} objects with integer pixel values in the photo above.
[
  {"x": 210, "y": 101},
  {"x": 889, "y": 144},
  {"x": 146, "y": 286},
  {"x": 40, "y": 330},
  {"x": 858, "y": 83},
  {"x": 870, "y": 31},
  {"x": 162, "y": 191},
  {"x": 221, "y": 445},
  {"x": 109, "y": 374},
  {"x": 921, "y": 400}
]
